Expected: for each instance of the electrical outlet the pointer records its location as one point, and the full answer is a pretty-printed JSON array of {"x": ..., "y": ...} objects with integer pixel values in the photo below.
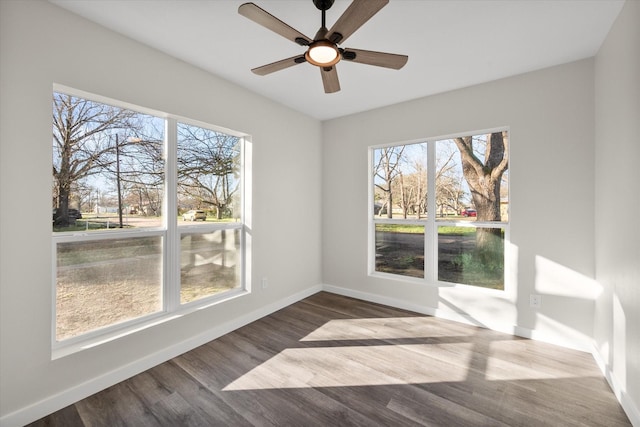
[
  {"x": 535, "y": 301},
  {"x": 264, "y": 283}
]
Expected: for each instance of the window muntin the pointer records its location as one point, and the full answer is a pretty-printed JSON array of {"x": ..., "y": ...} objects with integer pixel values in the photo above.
[
  {"x": 112, "y": 248},
  {"x": 449, "y": 193}
]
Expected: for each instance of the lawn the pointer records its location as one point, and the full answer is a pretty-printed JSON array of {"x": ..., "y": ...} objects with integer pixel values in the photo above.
[
  {"x": 105, "y": 282},
  {"x": 400, "y": 250}
]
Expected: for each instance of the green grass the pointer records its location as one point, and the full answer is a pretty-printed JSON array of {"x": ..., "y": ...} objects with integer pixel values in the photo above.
[
  {"x": 78, "y": 253},
  {"x": 458, "y": 231},
  {"x": 419, "y": 229},
  {"x": 399, "y": 228}
]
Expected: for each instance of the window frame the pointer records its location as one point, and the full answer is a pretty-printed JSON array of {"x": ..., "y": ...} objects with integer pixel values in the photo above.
[
  {"x": 169, "y": 231},
  {"x": 430, "y": 223}
]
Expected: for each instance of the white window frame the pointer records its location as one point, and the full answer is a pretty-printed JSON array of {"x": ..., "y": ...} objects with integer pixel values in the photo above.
[
  {"x": 169, "y": 231},
  {"x": 430, "y": 223}
]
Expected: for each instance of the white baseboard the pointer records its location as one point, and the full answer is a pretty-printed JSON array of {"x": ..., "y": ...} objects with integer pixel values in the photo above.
[
  {"x": 67, "y": 397},
  {"x": 379, "y": 299},
  {"x": 630, "y": 408},
  {"x": 627, "y": 404},
  {"x": 429, "y": 311},
  {"x": 459, "y": 317}
]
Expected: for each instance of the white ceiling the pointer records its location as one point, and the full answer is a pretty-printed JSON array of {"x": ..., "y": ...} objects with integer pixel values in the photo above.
[{"x": 450, "y": 43}]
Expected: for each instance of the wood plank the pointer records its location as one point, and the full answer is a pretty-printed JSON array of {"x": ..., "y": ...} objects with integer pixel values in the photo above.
[
  {"x": 66, "y": 417},
  {"x": 334, "y": 360}
]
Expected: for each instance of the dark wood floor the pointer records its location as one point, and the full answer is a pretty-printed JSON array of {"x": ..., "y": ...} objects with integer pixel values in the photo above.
[{"x": 335, "y": 361}]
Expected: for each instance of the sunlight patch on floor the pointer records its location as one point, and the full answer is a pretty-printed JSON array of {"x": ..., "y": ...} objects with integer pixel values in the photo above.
[
  {"x": 377, "y": 328},
  {"x": 395, "y": 351},
  {"x": 355, "y": 366}
]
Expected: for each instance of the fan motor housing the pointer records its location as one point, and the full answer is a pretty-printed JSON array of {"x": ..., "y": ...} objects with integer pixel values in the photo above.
[{"x": 323, "y": 4}]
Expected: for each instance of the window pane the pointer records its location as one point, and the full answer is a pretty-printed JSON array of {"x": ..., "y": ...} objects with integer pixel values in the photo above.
[
  {"x": 209, "y": 263},
  {"x": 208, "y": 175},
  {"x": 400, "y": 249},
  {"x": 400, "y": 181},
  {"x": 101, "y": 283},
  {"x": 471, "y": 256},
  {"x": 472, "y": 177},
  {"x": 108, "y": 168}
]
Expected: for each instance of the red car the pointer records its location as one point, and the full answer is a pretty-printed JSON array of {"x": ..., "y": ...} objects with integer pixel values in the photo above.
[{"x": 469, "y": 212}]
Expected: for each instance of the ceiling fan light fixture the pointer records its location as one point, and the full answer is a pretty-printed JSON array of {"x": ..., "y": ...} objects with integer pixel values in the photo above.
[{"x": 322, "y": 53}]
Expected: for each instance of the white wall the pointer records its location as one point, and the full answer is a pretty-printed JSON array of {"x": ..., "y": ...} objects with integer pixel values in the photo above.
[
  {"x": 41, "y": 44},
  {"x": 550, "y": 115},
  {"x": 553, "y": 154},
  {"x": 617, "y": 94}
]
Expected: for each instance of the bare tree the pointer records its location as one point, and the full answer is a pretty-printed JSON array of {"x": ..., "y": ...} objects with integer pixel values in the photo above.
[
  {"x": 81, "y": 194},
  {"x": 387, "y": 169},
  {"x": 449, "y": 193},
  {"x": 484, "y": 176},
  {"x": 420, "y": 193},
  {"x": 80, "y": 143},
  {"x": 448, "y": 186},
  {"x": 406, "y": 191},
  {"x": 410, "y": 191},
  {"x": 208, "y": 167},
  {"x": 142, "y": 170}
]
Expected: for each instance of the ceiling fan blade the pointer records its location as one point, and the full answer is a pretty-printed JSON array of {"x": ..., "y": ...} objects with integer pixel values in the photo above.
[
  {"x": 330, "y": 79},
  {"x": 279, "y": 65},
  {"x": 380, "y": 59},
  {"x": 358, "y": 12},
  {"x": 267, "y": 20}
]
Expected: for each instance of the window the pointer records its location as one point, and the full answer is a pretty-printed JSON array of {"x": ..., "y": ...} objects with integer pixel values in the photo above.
[
  {"x": 147, "y": 215},
  {"x": 440, "y": 209},
  {"x": 208, "y": 191}
]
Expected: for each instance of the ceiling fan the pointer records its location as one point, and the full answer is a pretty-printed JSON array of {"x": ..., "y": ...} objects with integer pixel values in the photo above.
[{"x": 323, "y": 50}]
